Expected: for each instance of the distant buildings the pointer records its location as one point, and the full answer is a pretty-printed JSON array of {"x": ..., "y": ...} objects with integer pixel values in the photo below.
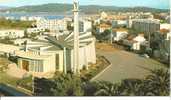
[
  {"x": 102, "y": 27},
  {"x": 30, "y": 18},
  {"x": 35, "y": 30},
  {"x": 165, "y": 26},
  {"x": 52, "y": 24},
  {"x": 85, "y": 25},
  {"x": 119, "y": 34},
  {"x": 103, "y": 15},
  {"x": 20, "y": 42},
  {"x": 23, "y": 18},
  {"x": 146, "y": 25},
  {"x": 122, "y": 23},
  {"x": 11, "y": 33},
  {"x": 138, "y": 41}
]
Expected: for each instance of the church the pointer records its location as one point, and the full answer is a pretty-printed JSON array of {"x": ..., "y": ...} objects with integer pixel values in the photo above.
[{"x": 65, "y": 53}]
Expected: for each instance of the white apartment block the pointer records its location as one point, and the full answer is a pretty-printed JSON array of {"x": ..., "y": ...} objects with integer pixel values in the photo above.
[
  {"x": 85, "y": 25},
  {"x": 11, "y": 33},
  {"x": 52, "y": 24},
  {"x": 31, "y": 18},
  {"x": 146, "y": 25},
  {"x": 119, "y": 35},
  {"x": 35, "y": 30}
]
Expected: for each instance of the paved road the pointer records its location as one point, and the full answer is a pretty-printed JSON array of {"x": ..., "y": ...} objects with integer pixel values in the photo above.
[{"x": 126, "y": 65}]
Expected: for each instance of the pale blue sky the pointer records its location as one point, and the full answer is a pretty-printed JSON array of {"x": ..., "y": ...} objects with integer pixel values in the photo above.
[{"x": 123, "y": 3}]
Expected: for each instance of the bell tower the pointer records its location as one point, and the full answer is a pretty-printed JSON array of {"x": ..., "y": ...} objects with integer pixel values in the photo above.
[{"x": 76, "y": 37}]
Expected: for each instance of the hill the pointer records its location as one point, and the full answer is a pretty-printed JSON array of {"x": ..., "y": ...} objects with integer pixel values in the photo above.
[
  {"x": 4, "y": 7},
  {"x": 59, "y": 8}
]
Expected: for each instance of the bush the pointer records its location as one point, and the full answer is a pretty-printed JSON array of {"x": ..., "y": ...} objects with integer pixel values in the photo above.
[
  {"x": 156, "y": 84},
  {"x": 25, "y": 83}
]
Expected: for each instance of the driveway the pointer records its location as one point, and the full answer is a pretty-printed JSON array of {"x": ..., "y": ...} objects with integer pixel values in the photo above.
[{"x": 126, "y": 65}]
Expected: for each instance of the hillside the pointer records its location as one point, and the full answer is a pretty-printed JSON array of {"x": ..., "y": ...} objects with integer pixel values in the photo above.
[
  {"x": 59, "y": 8},
  {"x": 4, "y": 7}
]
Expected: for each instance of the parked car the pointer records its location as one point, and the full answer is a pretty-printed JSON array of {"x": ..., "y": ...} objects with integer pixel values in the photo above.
[{"x": 145, "y": 55}]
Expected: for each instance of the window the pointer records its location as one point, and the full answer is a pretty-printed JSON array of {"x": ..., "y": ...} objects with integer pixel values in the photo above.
[
  {"x": 57, "y": 61},
  {"x": 36, "y": 65}
]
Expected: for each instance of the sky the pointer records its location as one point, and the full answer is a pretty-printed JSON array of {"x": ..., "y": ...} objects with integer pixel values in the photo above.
[{"x": 162, "y": 4}]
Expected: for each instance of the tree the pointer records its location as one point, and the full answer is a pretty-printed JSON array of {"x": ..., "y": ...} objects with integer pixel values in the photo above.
[
  {"x": 156, "y": 84},
  {"x": 107, "y": 89},
  {"x": 132, "y": 87},
  {"x": 104, "y": 36},
  {"x": 42, "y": 87},
  {"x": 159, "y": 82},
  {"x": 156, "y": 40},
  {"x": 47, "y": 30},
  {"x": 67, "y": 85}
]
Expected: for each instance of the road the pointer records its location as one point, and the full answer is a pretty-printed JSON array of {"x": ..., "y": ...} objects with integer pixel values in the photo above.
[{"x": 126, "y": 65}]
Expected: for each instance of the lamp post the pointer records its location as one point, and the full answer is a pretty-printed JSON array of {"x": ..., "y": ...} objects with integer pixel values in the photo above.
[
  {"x": 111, "y": 35},
  {"x": 33, "y": 85}
]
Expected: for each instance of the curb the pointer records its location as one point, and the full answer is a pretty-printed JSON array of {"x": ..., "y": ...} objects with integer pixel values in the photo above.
[{"x": 93, "y": 79}]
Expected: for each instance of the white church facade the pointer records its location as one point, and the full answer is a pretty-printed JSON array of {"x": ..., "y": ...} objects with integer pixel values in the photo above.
[{"x": 51, "y": 55}]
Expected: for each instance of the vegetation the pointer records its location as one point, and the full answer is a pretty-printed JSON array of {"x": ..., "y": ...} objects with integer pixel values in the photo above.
[
  {"x": 158, "y": 43},
  {"x": 25, "y": 83},
  {"x": 64, "y": 85},
  {"x": 103, "y": 36},
  {"x": 101, "y": 64},
  {"x": 3, "y": 64},
  {"x": 156, "y": 84},
  {"x": 6, "y": 40},
  {"x": 9, "y": 24},
  {"x": 72, "y": 86}
]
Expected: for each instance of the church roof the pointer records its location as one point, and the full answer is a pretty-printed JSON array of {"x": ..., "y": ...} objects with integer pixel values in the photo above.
[{"x": 52, "y": 43}]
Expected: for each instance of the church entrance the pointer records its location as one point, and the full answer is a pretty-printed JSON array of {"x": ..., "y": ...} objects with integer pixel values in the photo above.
[{"x": 25, "y": 65}]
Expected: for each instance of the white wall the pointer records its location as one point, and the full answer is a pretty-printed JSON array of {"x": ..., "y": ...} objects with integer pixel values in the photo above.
[
  {"x": 165, "y": 26},
  {"x": 120, "y": 35}
]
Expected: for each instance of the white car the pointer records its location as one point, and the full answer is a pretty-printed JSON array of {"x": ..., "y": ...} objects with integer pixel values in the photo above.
[{"x": 145, "y": 55}]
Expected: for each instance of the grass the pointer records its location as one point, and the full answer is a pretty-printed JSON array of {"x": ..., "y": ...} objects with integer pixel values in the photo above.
[
  {"x": 6, "y": 79},
  {"x": 95, "y": 69},
  {"x": 9, "y": 80},
  {"x": 11, "y": 24},
  {"x": 12, "y": 82}
]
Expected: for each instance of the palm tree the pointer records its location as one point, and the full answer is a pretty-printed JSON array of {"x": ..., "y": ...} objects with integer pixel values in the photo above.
[
  {"x": 132, "y": 87},
  {"x": 67, "y": 85},
  {"x": 159, "y": 82},
  {"x": 107, "y": 89}
]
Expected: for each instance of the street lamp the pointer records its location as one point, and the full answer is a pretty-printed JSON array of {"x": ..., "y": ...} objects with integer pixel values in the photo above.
[{"x": 33, "y": 85}]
